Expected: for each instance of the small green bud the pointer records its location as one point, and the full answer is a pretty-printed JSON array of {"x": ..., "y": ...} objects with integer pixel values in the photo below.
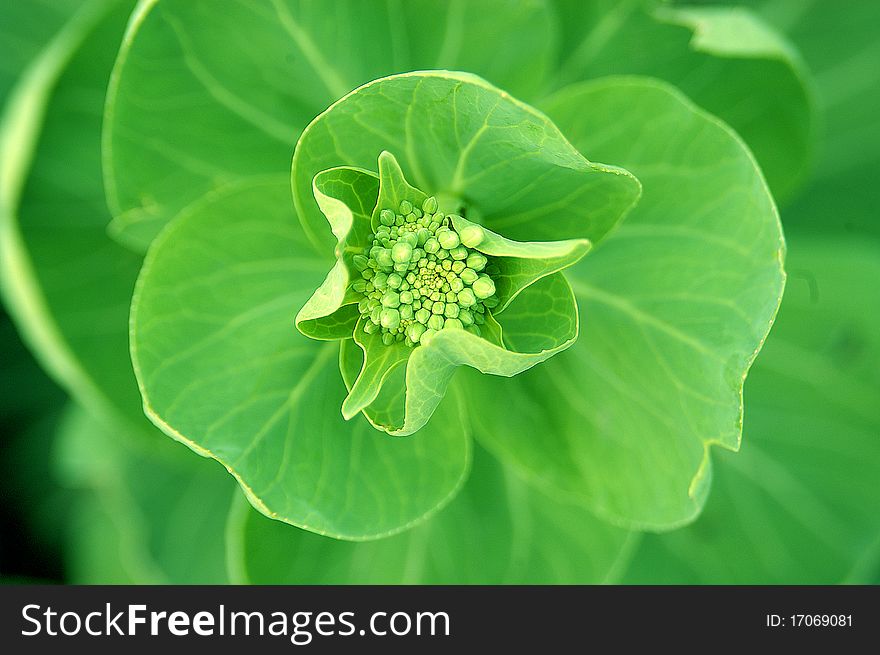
[
  {"x": 442, "y": 254},
  {"x": 368, "y": 273},
  {"x": 383, "y": 258},
  {"x": 491, "y": 302},
  {"x": 389, "y": 318},
  {"x": 359, "y": 285},
  {"x": 459, "y": 253},
  {"x": 364, "y": 305},
  {"x": 406, "y": 298},
  {"x": 406, "y": 312},
  {"x": 450, "y": 296},
  {"x": 411, "y": 217},
  {"x": 432, "y": 245},
  {"x": 465, "y": 317},
  {"x": 458, "y": 267},
  {"x": 411, "y": 238},
  {"x": 435, "y": 322},
  {"x": 456, "y": 285},
  {"x": 380, "y": 281},
  {"x": 476, "y": 261},
  {"x": 438, "y": 307},
  {"x": 394, "y": 281},
  {"x": 360, "y": 262},
  {"x": 405, "y": 207},
  {"x": 427, "y": 304},
  {"x": 430, "y": 205},
  {"x": 466, "y": 298},
  {"x": 422, "y": 235},
  {"x": 483, "y": 287},
  {"x": 447, "y": 265},
  {"x": 386, "y": 217},
  {"x": 469, "y": 276},
  {"x": 422, "y": 316},
  {"x": 448, "y": 239},
  {"x": 402, "y": 267},
  {"x": 370, "y": 327},
  {"x": 414, "y": 331},
  {"x": 391, "y": 299},
  {"x": 472, "y": 236},
  {"x": 376, "y": 314},
  {"x": 453, "y": 323},
  {"x": 451, "y": 310},
  {"x": 401, "y": 252},
  {"x": 387, "y": 338}
]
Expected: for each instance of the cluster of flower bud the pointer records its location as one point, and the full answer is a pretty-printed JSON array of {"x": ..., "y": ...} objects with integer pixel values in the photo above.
[{"x": 420, "y": 276}]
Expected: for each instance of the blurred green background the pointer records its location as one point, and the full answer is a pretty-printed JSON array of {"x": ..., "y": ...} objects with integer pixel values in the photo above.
[{"x": 798, "y": 504}]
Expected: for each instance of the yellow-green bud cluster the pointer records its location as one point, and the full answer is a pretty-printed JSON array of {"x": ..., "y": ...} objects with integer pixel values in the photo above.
[{"x": 420, "y": 276}]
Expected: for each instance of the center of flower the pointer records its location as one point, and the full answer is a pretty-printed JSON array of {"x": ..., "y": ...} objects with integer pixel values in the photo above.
[{"x": 421, "y": 276}]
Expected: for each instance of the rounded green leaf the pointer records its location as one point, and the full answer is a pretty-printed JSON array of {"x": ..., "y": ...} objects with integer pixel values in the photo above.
[
  {"x": 466, "y": 142},
  {"x": 799, "y": 504},
  {"x": 676, "y": 302},
  {"x": 497, "y": 531},
  {"x": 223, "y": 369},
  {"x": 250, "y": 75}
]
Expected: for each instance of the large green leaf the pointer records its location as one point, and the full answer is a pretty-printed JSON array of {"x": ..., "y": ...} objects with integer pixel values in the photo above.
[
  {"x": 724, "y": 58},
  {"x": 223, "y": 369},
  {"x": 190, "y": 63},
  {"x": 497, "y": 531},
  {"x": 799, "y": 504},
  {"x": 66, "y": 283},
  {"x": 676, "y": 304},
  {"x": 146, "y": 511},
  {"x": 471, "y": 145}
]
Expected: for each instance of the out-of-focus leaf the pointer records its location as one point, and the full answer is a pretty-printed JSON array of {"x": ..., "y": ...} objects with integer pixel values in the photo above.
[
  {"x": 726, "y": 59},
  {"x": 145, "y": 514},
  {"x": 66, "y": 284},
  {"x": 841, "y": 48},
  {"x": 25, "y": 27}
]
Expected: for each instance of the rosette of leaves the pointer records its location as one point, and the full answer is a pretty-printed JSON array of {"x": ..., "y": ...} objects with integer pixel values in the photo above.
[
  {"x": 674, "y": 301},
  {"x": 420, "y": 292}
]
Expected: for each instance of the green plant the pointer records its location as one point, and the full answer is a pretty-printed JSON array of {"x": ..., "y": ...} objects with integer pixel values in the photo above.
[{"x": 446, "y": 333}]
